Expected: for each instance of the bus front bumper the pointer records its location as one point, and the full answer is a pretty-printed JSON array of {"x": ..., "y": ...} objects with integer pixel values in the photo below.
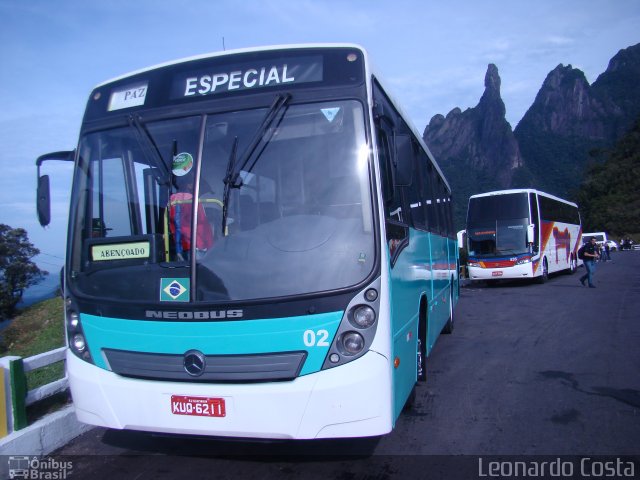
[
  {"x": 524, "y": 270},
  {"x": 347, "y": 401}
]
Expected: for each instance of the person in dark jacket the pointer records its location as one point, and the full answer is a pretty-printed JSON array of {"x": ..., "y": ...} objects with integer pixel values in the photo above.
[{"x": 590, "y": 258}]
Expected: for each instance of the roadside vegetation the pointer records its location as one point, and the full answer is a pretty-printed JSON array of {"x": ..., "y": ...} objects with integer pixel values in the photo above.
[
  {"x": 38, "y": 328},
  {"x": 608, "y": 196},
  {"x": 17, "y": 270}
]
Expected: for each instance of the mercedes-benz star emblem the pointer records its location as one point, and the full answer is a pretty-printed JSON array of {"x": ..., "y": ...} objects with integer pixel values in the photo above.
[{"x": 194, "y": 363}]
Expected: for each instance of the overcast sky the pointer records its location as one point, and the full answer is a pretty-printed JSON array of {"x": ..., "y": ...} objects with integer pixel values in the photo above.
[{"x": 433, "y": 55}]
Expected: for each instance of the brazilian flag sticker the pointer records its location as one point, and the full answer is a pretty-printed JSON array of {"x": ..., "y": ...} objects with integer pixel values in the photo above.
[{"x": 174, "y": 289}]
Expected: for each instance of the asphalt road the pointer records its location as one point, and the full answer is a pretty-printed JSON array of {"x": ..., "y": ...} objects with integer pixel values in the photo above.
[{"x": 534, "y": 370}]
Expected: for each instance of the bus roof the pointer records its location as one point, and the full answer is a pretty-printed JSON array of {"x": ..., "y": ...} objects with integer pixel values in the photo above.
[
  {"x": 370, "y": 71},
  {"x": 522, "y": 190},
  {"x": 236, "y": 52}
]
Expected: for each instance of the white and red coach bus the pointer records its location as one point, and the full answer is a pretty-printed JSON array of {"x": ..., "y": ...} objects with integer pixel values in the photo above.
[{"x": 521, "y": 233}]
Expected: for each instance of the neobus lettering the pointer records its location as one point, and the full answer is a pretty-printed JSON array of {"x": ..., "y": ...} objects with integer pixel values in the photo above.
[
  {"x": 235, "y": 80},
  {"x": 202, "y": 315}
]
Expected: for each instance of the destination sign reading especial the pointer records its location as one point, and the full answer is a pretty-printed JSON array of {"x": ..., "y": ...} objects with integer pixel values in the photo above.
[{"x": 246, "y": 76}]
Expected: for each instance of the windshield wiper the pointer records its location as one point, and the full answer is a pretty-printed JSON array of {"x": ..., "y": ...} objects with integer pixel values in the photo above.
[
  {"x": 149, "y": 148},
  {"x": 229, "y": 180},
  {"x": 263, "y": 136}
]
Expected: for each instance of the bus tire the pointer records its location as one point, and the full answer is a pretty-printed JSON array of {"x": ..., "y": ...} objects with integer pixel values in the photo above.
[
  {"x": 421, "y": 363},
  {"x": 448, "y": 327},
  {"x": 411, "y": 399},
  {"x": 545, "y": 272}
]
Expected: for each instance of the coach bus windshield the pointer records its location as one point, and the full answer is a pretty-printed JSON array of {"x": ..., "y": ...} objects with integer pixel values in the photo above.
[
  {"x": 296, "y": 217},
  {"x": 497, "y": 225}
]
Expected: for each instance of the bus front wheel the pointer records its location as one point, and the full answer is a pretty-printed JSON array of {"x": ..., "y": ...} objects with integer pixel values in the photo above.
[
  {"x": 545, "y": 272},
  {"x": 448, "y": 327},
  {"x": 421, "y": 344}
]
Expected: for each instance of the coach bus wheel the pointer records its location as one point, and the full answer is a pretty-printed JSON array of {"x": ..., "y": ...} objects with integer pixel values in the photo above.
[
  {"x": 411, "y": 399},
  {"x": 448, "y": 327},
  {"x": 421, "y": 368},
  {"x": 545, "y": 272},
  {"x": 421, "y": 345}
]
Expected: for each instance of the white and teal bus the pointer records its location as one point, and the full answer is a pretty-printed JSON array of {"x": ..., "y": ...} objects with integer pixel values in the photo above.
[
  {"x": 324, "y": 265},
  {"x": 521, "y": 233}
]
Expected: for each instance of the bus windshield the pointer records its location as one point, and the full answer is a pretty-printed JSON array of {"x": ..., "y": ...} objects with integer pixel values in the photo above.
[
  {"x": 497, "y": 225},
  {"x": 299, "y": 215}
]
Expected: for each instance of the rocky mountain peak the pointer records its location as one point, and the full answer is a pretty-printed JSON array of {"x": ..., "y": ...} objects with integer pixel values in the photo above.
[
  {"x": 625, "y": 59},
  {"x": 478, "y": 151},
  {"x": 491, "y": 101},
  {"x": 492, "y": 81},
  {"x": 566, "y": 106},
  {"x": 478, "y": 141},
  {"x": 618, "y": 88},
  {"x": 480, "y": 136}
]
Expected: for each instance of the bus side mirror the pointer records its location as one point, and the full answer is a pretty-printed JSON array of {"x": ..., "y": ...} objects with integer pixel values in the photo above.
[
  {"x": 462, "y": 234},
  {"x": 43, "y": 201},
  {"x": 531, "y": 233},
  {"x": 43, "y": 195},
  {"x": 403, "y": 160}
]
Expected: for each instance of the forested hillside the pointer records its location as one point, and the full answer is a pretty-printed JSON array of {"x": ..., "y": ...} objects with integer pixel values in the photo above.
[{"x": 609, "y": 196}]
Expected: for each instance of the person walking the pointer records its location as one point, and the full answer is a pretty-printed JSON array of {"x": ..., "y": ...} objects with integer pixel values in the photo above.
[{"x": 590, "y": 258}]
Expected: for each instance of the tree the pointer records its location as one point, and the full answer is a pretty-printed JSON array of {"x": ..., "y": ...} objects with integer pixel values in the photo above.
[
  {"x": 608, "y": 197},
  {"x": 17, "y": 271}
]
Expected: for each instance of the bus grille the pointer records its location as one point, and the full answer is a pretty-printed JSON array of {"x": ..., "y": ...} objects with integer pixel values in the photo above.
[{"x": 219, "y": 368}]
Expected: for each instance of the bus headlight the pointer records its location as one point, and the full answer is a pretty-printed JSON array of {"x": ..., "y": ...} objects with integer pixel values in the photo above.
[
  {"x": 351, "y": 343},
  {"x": 371, "y": 295},
  {"x": 74, "y": 320},
  {"x": 522, "y": 261},
  {"x": 362, "y": 316},
  {"x": 473, "y": 264},
  {"x": 78, "y": 343},
  {"x": 75, "y": 335},
  {"x": 356, "y": 333}
]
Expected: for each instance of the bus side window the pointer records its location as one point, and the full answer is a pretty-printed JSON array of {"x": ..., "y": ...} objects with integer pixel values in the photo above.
[
  {"x": 385, "y": 169},
  {"x": 392, "y": 195},
  {"x": 425, "y": 167},
  {"x": 432, "y": 196},
  {"x": 416, "y": 202},
  {"x": 451, "y": 231},
  {"x": 443, "y": 195},
  {"x": 396, "y": 228}
]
